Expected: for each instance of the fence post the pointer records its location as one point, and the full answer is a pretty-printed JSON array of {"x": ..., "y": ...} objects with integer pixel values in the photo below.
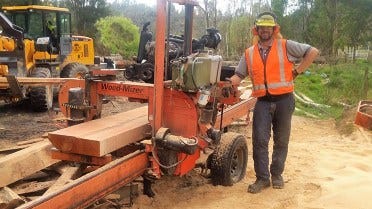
[{"x": 365, "y": 84}]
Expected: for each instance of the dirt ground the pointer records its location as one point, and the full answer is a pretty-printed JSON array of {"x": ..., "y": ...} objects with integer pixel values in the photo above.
[{"x": 325, "y": 169}]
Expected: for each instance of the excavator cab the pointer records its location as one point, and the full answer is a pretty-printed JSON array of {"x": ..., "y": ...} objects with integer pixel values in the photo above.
[
  {"x": 48, "y": 27},
  {"x": 36, "y": 41},
  {"x": 40, "y": 21}
]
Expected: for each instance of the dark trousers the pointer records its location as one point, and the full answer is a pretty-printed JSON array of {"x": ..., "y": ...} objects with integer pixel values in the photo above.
[{"x": 276, "y": 113}]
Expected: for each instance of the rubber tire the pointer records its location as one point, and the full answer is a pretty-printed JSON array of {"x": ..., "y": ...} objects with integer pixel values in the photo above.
[
  {"x": 228, "y": 163},
  {"x": 41, "y": 97},
  {"x": 74, "y": 70}
]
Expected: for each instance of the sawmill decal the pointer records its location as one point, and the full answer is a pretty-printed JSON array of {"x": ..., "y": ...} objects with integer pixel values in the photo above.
[{"x": 121, "y": 88}]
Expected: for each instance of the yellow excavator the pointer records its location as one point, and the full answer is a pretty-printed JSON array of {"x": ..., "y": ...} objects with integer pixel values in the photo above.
[{"x": 36, "y": 41}]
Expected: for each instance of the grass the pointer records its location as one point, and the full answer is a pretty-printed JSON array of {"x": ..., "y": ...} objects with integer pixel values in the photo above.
[{"x": 339, "y": 86}]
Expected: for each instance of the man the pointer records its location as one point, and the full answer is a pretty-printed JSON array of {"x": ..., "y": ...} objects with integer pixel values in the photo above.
[
  {"x": 50, "y": 28},
  {"x": 51, "y": 33},
  {"x": 270, "y": 65}
]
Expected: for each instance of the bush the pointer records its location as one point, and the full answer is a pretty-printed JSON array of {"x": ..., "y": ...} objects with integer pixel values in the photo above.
[{"x": 119, "y": 35}]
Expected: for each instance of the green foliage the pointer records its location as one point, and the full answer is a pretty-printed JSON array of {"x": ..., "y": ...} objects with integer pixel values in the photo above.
[
  {"x": 84, "y": 14},
  {"x": 17, "y": 2},
  {"x": 335, "y": 86},
  {"x": 118, "y": 35},
  {"x": 320, "y": 27},
  {"x": 330, "y": 25},
  {"x": 278, "y": 7},
  {"x": 236, "y": 35},
  {"x": 138, "y": 13},
  {"x": 240, "y": 34},
  {"x": 356, "y": 22}
]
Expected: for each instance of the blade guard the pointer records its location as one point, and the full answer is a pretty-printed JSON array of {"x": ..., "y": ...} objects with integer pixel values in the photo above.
[{"x": 93, "y": 100}]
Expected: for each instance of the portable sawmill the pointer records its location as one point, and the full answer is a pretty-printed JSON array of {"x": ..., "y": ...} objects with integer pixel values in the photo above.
[{"x": 184, "y": 116}]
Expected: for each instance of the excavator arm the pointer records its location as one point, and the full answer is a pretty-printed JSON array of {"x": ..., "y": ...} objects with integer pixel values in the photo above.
[{"x": 11, "y": 30}]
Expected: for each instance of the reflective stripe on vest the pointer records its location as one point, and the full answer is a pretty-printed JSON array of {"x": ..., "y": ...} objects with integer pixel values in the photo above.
[{"x": 278, "y": 70}]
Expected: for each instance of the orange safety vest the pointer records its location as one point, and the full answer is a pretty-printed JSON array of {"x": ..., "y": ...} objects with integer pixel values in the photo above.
[{"x": 274, "y": 76}]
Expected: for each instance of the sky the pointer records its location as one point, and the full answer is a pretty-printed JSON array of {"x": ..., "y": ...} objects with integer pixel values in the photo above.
[
  {"x": 148, "y": 2},
  {"x": 221, "y": 5}
]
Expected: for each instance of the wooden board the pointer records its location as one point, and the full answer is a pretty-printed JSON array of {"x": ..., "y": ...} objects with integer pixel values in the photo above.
[
  {"x": 72, "y": 157},
  {"x": 68, "y": 175},
  {"x": 33, "y": 186},
  {"x": 102, "y": 136},
  {"x": 35, "y": 81},
  {"x": 14, "y": 148},
  {"x": 235, "y": 112},
  {"x": 25, "y": 162},
  {"x": 9, "y": 199},
  {"x": 31, "y": 141}
]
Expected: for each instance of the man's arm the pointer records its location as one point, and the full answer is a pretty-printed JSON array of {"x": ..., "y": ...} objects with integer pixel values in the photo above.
[
  {"x": 235, "y": 80},
  {"x": 307, "y": 60},
  {"x": 240, "y": 72}
]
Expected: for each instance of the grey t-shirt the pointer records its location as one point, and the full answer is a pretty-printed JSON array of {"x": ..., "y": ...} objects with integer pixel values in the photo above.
[{"x": 295, "y": 51}]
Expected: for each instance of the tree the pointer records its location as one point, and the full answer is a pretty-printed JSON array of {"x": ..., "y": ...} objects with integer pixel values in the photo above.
[
  {"x": 118, "y": 35},
  {"x": 355, "y": 24},
  {"x": 278, "y": 7},
  {"x": 138, "y": 13},
  {"x": 23, "y": 2},
  {"x": 209, "y": 9},
  {"x": 85, "y": 13},
  {"x": 319, "y": 28},
  {"x": 239, "y": 35}
]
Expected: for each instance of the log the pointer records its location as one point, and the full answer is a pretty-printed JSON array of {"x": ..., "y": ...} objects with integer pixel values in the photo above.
[
  {"x": 102, "y": 136},
  {"x": 310, "y": 102},
  {"x": 25, "y": 162}
]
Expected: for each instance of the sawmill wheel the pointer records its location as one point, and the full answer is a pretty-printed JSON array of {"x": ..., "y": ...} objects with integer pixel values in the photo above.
[
  {"x": 41, "y": 97},
  {"x": 228, "y": 163},
  {"x": 74, "y": 70}
]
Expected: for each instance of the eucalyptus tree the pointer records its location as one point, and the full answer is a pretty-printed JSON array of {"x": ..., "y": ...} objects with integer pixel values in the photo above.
[
  {"x": 19, "y": 2},
  {"x": 355, "y": 25},
  {"x": 85, "y": 14}
]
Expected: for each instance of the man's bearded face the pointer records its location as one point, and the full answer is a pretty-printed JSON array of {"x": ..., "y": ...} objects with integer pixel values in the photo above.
[{"x": 265, "y": 32}]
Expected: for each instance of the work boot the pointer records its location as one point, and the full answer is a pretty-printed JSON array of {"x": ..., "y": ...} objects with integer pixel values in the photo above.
[
  {"x": 258, "y": 185},
  {"x": 277, "y": 181}
]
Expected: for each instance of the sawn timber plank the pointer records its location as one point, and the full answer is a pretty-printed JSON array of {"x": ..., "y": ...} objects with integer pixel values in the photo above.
[
  {"x": 102, "y": 136},
  {"x": 25, "y": 162}
]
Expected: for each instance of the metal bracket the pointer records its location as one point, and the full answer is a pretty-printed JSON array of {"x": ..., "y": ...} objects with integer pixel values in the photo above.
[{"x": 14, "y": 86}]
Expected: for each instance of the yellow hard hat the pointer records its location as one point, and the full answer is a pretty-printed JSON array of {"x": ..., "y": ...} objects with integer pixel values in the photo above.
[{"x": 265, "y": 19}]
